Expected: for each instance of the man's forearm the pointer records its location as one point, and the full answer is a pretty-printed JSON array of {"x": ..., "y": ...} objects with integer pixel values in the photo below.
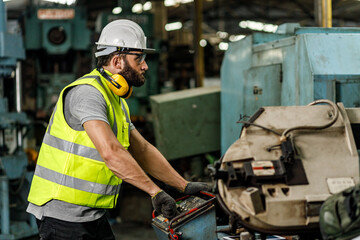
[
  {"x": 154, "y": 163},
  {"x": 129, "y": 170},
  {"x": 117, "y": 158}
]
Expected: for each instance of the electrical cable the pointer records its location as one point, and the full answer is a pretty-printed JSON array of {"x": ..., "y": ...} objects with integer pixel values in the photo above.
[
  {"x": 259, "y": 126},
  {"x": 335, "y": 116}
]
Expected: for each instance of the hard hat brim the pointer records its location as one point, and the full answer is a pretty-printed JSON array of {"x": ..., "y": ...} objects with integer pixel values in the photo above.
[{"x": 146, "y": 50}]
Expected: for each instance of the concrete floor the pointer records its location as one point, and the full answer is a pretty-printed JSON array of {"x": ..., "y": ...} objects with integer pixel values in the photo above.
[
  {"x": 131, "y": 219},
  {"x": 133, "y": 231},
  {"x": 127, "y": 231}
]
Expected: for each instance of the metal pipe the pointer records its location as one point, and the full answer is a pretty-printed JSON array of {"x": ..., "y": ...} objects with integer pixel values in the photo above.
[
  {"x": 18, "y": 102},
  {"x": 18, "y": 86},
  {"x": 5, "y": 215},
  {"x": 323, "y": 13},
  {"x": 2, "y": 138},
  {"x": 2, "y": 91},
  {"x": 2, "y": 17},
  {"x": 317, "y": 12},
  {"x": 326, "y": 16},
  {"x": 329, "y": 13},
  {"x": 199, "y": 51},
  {"x": 19, "y": 140}
]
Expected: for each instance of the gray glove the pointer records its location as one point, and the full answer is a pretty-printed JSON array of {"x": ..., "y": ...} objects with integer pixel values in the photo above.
[
  {"x": 195, "y": 187},
  {"x": 164, "y": 204}
]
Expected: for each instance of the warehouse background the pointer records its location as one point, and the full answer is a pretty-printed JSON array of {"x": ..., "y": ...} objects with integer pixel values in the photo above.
[{"x": 191, "y": 38}]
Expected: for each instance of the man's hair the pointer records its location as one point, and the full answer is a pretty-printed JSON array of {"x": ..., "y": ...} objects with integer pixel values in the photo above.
[{"x": 105, "y": 60}]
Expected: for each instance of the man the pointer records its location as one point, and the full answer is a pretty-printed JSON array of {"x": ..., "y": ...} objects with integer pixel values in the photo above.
[{"x": 90, "y": 146}]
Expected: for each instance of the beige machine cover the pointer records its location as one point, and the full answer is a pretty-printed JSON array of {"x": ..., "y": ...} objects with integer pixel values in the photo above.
[{"x": 329, "y": 157}]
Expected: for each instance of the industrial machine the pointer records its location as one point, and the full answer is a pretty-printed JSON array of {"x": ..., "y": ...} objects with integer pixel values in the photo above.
[
  {"x": 15, "y": 177},
  {"x": 286, "y": 163},
  {"x": 193, "y": 116},
  {"x": 274, "y": 179},
  {"x": 57, "y": 43},
  {"x": 293, "y": 66},
  {"x": 289, "y": 158}
]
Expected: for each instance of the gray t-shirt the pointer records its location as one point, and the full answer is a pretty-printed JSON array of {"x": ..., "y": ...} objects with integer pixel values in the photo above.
[{"x": 82, "y": 103}]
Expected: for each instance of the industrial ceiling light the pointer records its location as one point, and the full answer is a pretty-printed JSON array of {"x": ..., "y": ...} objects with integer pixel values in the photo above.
[
  {"x": 117, "y": 10},
  {"x": 173, "y": 26},
  {"x": 203, "y": 43},
  {"x": 258, "y": 26},
  {"x": 170, "y": 3},
  {"x": 64, "y": 2},
  {"x": 222, "y": 35},
  {"x": 270, "y": 28},
  {"x": 137, "y": 8},
  {"x": 147, "y": 6},
  {"x": 186, "y": 1},
  {"x": 234, "y": 38},
  {"x": 223, "y": 46}
]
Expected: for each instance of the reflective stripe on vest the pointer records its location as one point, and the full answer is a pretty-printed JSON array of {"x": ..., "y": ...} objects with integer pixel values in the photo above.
[
  {"x": 76, "y": 183},
  {"x": 71, "y": 147}
]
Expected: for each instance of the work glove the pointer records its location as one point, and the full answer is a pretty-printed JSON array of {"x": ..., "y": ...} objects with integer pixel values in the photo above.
[
  {"x": 164, "y": 204},
  {"x": 195, "y": 187}
]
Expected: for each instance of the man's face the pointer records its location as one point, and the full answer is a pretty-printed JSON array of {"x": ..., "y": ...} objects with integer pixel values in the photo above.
[{"x": 134, "y": 70}]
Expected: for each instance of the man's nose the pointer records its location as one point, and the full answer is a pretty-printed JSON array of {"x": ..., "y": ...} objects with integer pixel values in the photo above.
[{"x": 144, "y": 66}]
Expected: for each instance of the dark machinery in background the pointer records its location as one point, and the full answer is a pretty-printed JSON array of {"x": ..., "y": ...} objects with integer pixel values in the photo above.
[
  {"x": 15, "y": 177},
  {"x": 57, "y": 43}
]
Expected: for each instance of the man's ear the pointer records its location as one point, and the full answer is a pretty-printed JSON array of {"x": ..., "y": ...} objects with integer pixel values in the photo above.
[{"x": 118, "y": 62}]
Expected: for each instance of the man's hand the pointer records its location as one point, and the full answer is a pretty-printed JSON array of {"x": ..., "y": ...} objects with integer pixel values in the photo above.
[
  {"x": 195, "y": 187},
  {"x": 164, "y": 204}
]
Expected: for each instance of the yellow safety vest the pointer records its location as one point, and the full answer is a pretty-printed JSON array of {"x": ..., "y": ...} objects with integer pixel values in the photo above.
[{"x": 69, "y": 167}]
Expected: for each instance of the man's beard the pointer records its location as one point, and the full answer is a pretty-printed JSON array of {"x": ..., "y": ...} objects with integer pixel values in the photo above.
[{"x": 132, "y": 77}]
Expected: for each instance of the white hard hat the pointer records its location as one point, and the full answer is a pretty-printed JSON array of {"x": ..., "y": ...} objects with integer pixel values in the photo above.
[{"x": 124, "y": 34}]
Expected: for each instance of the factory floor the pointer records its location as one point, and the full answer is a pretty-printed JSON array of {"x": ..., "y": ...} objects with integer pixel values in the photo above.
[
  {"x": 131, "y": 219},
  {"x": 127, "y": 231},
  {"x": 133, "y": 231}
]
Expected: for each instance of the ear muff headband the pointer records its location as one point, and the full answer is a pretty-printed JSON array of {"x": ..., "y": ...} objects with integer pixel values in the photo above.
[{"x": 117, "y": 84}]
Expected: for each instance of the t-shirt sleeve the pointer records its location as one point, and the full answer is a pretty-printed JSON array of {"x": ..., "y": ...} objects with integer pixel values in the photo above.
[
  {"x": 87, "y": 103},
  {"x": 84, "y": 103}
]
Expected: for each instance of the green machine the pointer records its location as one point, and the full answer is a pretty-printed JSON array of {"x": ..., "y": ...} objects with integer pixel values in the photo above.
[
  {"x": 57, "y": 43},
  {"x": 139, "y": 101},
  {"x": 187, "y": 122}
]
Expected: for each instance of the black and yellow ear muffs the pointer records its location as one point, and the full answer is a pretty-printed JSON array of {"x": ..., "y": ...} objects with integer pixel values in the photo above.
[{"x": 118, "y": 84}]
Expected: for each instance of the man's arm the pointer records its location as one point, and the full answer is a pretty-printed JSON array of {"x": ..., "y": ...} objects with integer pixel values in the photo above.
[
  {"x": 153, "y": 162},
  {"x": 117, "y": 158}
]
